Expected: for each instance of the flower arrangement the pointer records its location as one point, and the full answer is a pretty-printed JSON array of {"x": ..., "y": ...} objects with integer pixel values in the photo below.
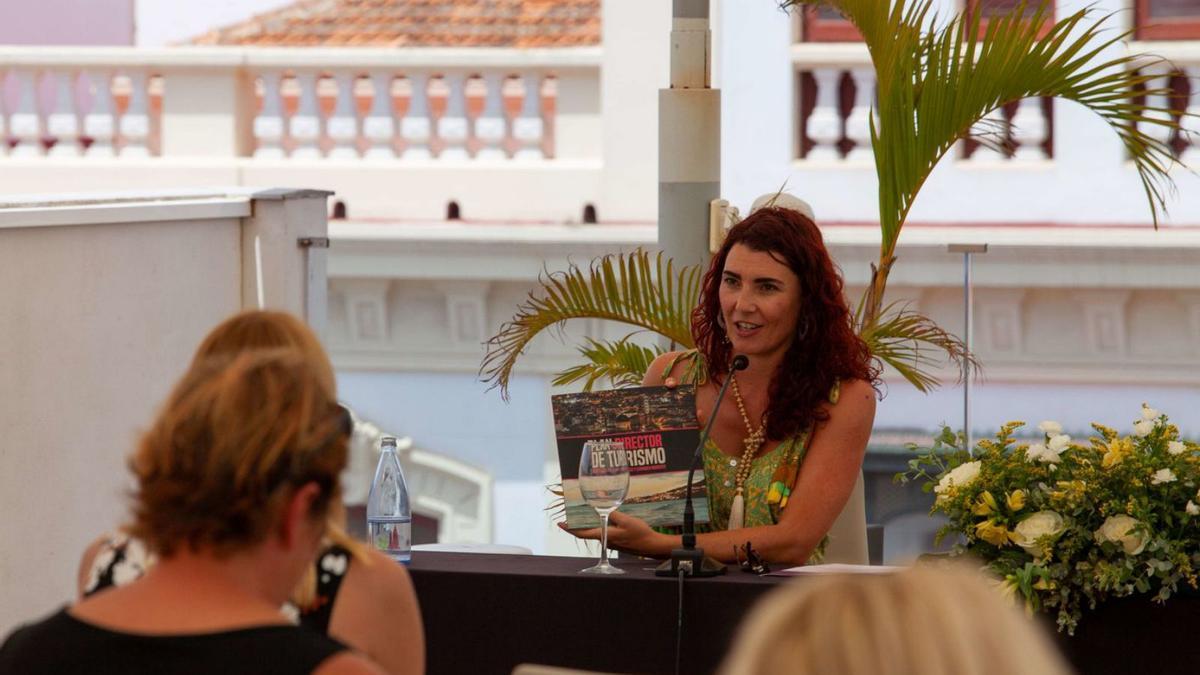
[{"x": 1065, "y": 524}]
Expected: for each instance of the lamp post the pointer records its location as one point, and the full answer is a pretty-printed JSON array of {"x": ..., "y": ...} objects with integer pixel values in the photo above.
[{"x": 967, "y": 250}]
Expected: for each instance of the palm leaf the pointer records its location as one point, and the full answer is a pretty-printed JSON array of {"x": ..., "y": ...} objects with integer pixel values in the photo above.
[
  {"x": 935, "y": 84},
  {"x": 913, "y": 344},
  {"x": 623, "y": 363},
  {"x": 648, "y": 292}
]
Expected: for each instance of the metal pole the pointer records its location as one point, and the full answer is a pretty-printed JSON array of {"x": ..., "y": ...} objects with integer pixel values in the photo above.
[
  {"x": 689, "y": 137},
  {"x": 968, "y": 319}
]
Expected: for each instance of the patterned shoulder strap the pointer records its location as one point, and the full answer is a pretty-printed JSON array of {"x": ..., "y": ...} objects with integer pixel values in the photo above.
[
  {"x": 332, "y": 565},
  {"x": 784, "y": 479},
  {"x": 695, "y": 373}
]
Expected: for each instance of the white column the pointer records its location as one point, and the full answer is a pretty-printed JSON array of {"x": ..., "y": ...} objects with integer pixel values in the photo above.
[
  {"x": 62, "y": 122},
  {"x": 1029, "y": 130},
  {"x": 858, "y": 123},
  {"x": 452, "y": 126},
  {"x": 25, "y": 124},
  {"x": 994, "y": 125},
  {"x": 825, "y": 121},
  {"x": 100, "y": 122},
  {"x": 366, "y": 310},
  {"x": 1104, "y": 321},
  {"x": 379, "y": 127},
  {"x": 1001, "y": 329},
  {"x": 268, "y": 124},
  {"x": 343, "y": 124},
  {"x": 490, "y": 127},
  {"x": 416, "y": 128},
  {"x": 528, "y": 127},
  {"x": 466, "y": 313},
  {"x": 135, "y": 123},
  {"x": 304, "y": 127},
  {"x": 1191, "y": 121}
]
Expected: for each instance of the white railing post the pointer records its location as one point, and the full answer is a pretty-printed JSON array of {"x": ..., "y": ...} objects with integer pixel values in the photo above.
[
  {"x": 490, "y": 126},
  {"x": 379, "y": 127},
  {"x": 343, "y": 123},
  {"x": 268, "y": 124},
  {"x": 135, "y": 123},
  {"x": 99, "y": 124},
  {"x": 825, "y": 121},
  {"x": 25, "y": 123},
  {"x": 1029, "y": 129},
  {"x": 527, "y": 127},
  {"x": 62, "y": 122},
  {"x": 452, "y": 126},
  {"x": 304, "y": 127},
  {"x": 415, "y": 128},
  {"x": 858, "y": 123}
]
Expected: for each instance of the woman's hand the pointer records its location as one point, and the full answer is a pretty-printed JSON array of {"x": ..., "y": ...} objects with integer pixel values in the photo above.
[{"x": 630, "y": 534}]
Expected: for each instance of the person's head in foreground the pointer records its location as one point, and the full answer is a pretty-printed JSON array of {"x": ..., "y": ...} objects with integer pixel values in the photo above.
[
  {"x": 266, "y": 329},
  {"x": 234, "y": 481},
  {"x": 773, "y": 293},
  {"x": 927, "y": 620}
]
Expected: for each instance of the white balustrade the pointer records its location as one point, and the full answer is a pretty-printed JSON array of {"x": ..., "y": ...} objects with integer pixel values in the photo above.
[
  {"x": 527, "y": 128},
  {"x": 379, "y": 126},
  {"x": 858, "y": 122},
  {"x": 1191, "y": 121},
  {"x": 62, "y": 122},
  {"x": 453, "y": 129},
  {"x": 491, "y": 127},
  {"x": 268, "y": 127},
  {"x": 25, "y": 124},
  {"x": 416, "y": 128},
  {"x": 1029, "y": 130},
  {"x": 99, "y": 124},
  {"x": 304, "y": 127},
  {"x": 135, "y": 122},
  {"x": 342, "y": 126},
  {"x": 825, "y": 121}
]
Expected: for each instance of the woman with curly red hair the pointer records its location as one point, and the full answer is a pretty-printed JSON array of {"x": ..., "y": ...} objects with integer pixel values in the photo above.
[{"x": 782, "y": 460}]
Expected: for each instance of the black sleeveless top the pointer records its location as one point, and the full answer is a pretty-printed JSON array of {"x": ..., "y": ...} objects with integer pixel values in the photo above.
[{"x": 66, "y": 645}]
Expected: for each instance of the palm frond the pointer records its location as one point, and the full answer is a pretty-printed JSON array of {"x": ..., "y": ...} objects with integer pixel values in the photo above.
[
  {"x": 622, "y": 362},
  {"x": 937, "y": 82},
  {"x": 644, "y": 291},
  {"x": 913, "y": 344}
]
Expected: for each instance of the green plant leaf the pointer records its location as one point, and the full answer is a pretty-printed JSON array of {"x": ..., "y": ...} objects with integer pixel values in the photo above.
[
  {"x": 622, "y": 362},
  {"x": 913, "y": 344},
  {"x": 648, "y": 292}
]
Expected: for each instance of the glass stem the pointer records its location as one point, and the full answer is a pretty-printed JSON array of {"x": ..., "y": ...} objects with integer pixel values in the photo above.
[{"x": 604, "y": 542}]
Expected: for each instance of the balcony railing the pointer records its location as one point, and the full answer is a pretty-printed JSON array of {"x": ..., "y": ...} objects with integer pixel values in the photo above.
[
  {"x": 836, "y": 87},
  {"x": 460, "y": 104}
]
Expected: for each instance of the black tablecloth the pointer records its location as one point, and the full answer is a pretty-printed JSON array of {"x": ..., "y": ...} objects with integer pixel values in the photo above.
[{"x": 488, "y": 613}]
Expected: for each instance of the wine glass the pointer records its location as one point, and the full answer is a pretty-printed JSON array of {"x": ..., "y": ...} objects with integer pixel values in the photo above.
[{"x": 604, "y": 481}]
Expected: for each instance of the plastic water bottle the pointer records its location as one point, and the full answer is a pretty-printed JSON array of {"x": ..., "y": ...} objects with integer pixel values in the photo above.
[{"x": 389, "y": 519}]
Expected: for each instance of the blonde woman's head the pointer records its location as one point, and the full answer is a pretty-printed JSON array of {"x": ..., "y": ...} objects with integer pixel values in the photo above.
[{"x": 928, "y": 620}]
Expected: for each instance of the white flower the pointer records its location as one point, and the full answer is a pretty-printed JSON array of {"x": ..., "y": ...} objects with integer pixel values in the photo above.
[
  {"x": 1150, "y": 414},
  {"x": 1041, "y": 524},
  {"x": 1050, "y": 428},
  {"x": 1192, "y": 509},
  {"x": 1163, "y": 476},
  {"x": 1059, "y": 442},
  {"x": 1040, "y": 453},
  {"x": 1122, "y": 529},
  {"x": 1142, "y": 428},
  {"x": 1176, "y": 447},
  {"x": 959, "y": 476}
]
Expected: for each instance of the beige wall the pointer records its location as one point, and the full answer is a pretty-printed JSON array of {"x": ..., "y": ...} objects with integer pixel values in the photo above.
[{"x": 96, "y": 323}]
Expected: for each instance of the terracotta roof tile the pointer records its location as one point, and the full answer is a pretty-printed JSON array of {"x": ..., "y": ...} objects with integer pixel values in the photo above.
[{"x": 419, "y": 23}]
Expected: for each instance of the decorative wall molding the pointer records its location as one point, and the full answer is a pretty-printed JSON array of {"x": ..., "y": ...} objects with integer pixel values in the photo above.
[{"x": 1104, "y": 322}]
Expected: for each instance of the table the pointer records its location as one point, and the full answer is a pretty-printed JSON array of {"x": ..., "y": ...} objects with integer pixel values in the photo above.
[{"x": 487, "y": 613}]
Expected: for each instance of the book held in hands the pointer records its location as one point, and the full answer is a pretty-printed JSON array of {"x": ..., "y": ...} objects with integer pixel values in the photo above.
[{"x": 659, "y": 430}]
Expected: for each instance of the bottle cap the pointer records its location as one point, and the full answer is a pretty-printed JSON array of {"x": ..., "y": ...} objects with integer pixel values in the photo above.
[{"x": 388, "y": 440}]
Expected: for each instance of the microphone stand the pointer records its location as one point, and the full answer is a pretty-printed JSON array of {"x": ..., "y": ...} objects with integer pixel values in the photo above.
[{"x": 689, "y": 560}]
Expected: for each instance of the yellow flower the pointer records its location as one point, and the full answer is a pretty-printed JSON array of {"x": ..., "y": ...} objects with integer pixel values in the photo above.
[
  {"x": 1016, "y": 500},
  {"x": 985, "y": 505},
  {"x": 993, "y": 533},
  {"x": 1118, "y": 449}
]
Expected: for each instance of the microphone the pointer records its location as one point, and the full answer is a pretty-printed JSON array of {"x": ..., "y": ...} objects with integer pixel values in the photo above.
[{"x": 689, "y": 559}]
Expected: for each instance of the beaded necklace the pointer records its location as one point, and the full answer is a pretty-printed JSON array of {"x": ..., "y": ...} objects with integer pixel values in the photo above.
[{"x": 752, "y": 443}]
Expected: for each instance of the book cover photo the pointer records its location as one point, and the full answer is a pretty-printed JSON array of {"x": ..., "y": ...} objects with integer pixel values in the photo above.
[{"x": 659, "y": 430}]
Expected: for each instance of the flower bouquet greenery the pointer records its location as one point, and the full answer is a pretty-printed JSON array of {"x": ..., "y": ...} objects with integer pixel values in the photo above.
[{"x": 1068, "y": 525}]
